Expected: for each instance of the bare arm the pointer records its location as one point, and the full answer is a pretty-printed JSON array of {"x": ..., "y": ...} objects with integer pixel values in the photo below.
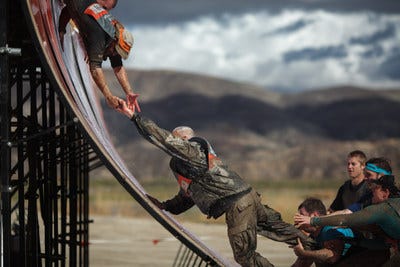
[
  {"x": 329, "y": 254},
  {"x": 321, "y": 255},
  {"x": 122, "y": 77},
  {"x": 100, "y": 80}
]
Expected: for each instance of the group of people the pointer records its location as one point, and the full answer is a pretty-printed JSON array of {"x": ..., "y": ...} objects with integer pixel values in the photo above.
[
  {"x": 205, "y": 181},
  {"x": 361, "y": 226}
]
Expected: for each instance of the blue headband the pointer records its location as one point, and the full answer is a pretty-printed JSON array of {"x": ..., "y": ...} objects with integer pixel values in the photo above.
[{"x": 374, "y": 168}]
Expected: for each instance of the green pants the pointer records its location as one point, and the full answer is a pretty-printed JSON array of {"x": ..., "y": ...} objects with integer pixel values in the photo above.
[
  {"x": 241, "y": 219},
  {"x": 245, "y": 218}
]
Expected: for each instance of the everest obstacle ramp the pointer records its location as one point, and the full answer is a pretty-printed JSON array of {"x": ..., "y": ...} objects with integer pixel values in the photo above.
[{"x": 70, "y": 76}]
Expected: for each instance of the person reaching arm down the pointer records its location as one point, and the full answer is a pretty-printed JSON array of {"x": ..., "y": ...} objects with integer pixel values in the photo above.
[{"x": 104, "y": 37}]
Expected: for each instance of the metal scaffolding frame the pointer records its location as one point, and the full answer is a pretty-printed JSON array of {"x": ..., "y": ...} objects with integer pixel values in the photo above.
[
  {"x": 45, "y": 161},
  {"x": 47, "y": 153}
]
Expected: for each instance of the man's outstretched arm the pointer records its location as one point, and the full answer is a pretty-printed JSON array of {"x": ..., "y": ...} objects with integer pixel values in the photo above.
[
  {"x": 100, "y": 80},
  {"x": 122, "y": 77},
  {"x": 164, "y": 139}
]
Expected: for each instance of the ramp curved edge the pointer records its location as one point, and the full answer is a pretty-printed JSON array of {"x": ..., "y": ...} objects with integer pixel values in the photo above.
[{"x": 70, "y": 75}]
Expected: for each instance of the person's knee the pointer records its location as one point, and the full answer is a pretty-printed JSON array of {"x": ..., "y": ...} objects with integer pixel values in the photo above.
[{"x": 243, "y": 245}]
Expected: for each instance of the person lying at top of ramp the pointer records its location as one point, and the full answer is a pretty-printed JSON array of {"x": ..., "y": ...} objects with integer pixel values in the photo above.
[
  {"x": 205, "y": 181},
  {"x": 104, "y": 37}
]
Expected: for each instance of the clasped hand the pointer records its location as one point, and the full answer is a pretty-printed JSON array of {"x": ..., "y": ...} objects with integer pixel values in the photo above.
[{"x": 126, "y": 108}]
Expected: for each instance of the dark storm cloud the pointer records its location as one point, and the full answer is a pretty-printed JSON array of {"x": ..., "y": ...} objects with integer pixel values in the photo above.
[
  {"x": 253, "y": 41},
  {"x": 162, "y": 11},
  {"x": 375, "y": 51},
  {"x": 314, "y": 54},
  {"x": 376, "y": 37},
  {"x": 390, "y": 68}
]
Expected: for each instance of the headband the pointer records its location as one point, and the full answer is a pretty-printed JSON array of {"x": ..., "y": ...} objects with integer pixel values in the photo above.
[{"x": 374, "y": 168}]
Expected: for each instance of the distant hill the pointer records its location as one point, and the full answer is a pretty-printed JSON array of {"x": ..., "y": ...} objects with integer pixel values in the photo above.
[{"x": 261, "y": 134}]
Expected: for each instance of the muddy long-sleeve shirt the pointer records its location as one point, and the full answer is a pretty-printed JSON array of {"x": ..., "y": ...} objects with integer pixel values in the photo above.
[
  {"x": 385, "y": 214},
  {"x": 203, "y": 178}
]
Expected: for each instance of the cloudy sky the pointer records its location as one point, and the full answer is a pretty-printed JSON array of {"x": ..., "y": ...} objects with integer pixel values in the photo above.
[{"x": 286, "y": 45}]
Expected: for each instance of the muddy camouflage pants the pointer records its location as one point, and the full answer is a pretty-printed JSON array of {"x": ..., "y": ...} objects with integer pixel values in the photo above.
[{"x": 247, "y": 216}]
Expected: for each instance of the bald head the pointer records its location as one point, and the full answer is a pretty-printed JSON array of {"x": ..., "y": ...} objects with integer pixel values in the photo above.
[
  {"x": 183, "y": 132},
  {"x": 107, "y": 4}
]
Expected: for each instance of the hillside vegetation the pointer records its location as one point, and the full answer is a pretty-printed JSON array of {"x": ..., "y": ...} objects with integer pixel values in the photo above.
[{"x": 261, "y": 134}]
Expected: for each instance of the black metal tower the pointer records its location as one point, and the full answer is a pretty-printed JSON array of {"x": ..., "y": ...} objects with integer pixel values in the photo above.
[{"x": 45, "y": 161}]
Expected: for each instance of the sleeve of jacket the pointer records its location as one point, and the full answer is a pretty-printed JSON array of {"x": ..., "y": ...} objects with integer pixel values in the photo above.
[
  {"x": 175, "y": 147},
  {"x": 178, "y": 204},
  {"x": 369, "y": 215}
]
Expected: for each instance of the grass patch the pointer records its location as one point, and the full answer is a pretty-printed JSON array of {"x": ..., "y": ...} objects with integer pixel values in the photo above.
[{"x": 108, "y": 197}]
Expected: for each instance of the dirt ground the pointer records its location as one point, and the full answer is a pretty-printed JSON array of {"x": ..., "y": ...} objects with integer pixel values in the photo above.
[{"x": 124, "y": 241}]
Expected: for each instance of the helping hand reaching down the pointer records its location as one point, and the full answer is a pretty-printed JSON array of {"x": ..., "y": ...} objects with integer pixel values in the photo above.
[
  {"x": 133, "y": 104},
  {"x": 113, "y": 101},
  {"x": 124, "y": 108}
]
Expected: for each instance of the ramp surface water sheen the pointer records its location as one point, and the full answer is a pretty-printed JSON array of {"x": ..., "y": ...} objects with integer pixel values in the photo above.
[{"x": 69, "y": 74}]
